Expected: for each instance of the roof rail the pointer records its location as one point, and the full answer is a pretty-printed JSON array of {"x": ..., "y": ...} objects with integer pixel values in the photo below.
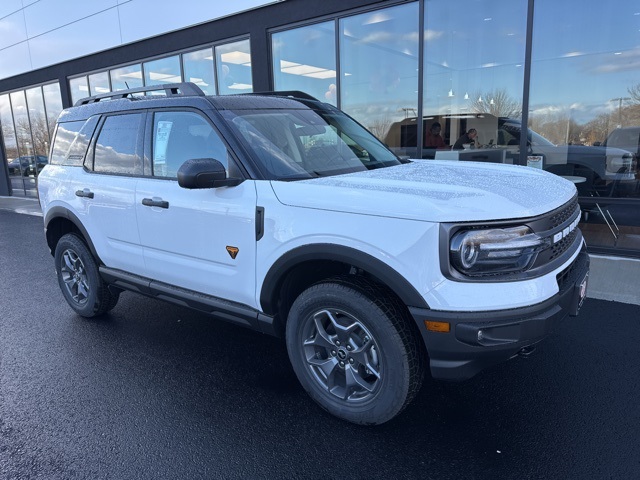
[
  {"x": 170, "y": 89},
  {"x": 286, "y": 93}
]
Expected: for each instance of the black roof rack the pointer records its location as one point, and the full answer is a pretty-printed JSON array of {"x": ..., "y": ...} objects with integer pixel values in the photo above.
[
  {"x": 286, "y": 93},
  {"x": 170, "y": 89}
]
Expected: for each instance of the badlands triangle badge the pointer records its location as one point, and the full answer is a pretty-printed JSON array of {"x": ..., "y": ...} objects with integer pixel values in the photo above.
[{"x": 233, "y": 252}]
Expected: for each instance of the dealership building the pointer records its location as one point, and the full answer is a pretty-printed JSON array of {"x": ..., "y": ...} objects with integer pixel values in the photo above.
[{"x": 567, "y": 71}]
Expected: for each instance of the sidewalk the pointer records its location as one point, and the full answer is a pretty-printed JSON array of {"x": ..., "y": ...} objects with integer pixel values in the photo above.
[{"x": 29, "y": 206}]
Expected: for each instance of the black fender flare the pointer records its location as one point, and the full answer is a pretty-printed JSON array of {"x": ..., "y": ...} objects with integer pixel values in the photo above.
[
  {"x": 62, "y": 212},
  {"x": 338, "y": 253}
]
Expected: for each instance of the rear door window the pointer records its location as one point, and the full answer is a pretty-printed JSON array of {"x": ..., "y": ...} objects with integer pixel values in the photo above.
[{"x": 118, "y": 146}]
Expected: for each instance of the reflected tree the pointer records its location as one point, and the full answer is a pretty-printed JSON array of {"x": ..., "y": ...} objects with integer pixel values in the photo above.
[
  {"x": 497, "y": 102},
  {"x": 380, "y": 127}
]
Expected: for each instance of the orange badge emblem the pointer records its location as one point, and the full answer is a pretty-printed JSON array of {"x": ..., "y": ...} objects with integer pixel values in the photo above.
[{"x": 233, "y": 252}]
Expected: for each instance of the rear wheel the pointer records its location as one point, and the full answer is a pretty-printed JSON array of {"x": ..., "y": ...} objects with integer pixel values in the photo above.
[
  {"x": 353, "y": 350},
  {"x": 80, "y": 280}
]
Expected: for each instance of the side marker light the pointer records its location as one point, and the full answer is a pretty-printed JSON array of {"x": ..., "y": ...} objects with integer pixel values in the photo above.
[{"x": 442, "y": 327}]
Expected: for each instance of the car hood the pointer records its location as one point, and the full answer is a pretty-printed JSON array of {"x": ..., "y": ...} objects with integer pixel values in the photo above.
[{"x": 434, "y": 191}]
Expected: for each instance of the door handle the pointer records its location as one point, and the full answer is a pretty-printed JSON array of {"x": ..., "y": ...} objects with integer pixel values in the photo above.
[
  {"x": 155, "y": 202},
  {"x": 86, "y": 193}
]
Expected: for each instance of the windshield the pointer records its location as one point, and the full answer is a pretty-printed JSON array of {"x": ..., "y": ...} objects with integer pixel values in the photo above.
[{"x": 291, "y": 144}]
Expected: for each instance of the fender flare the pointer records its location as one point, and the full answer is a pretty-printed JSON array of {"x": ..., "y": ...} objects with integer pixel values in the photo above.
[
  {"x": 332, "y": 252},
  {"x": 62, "y": 212}
]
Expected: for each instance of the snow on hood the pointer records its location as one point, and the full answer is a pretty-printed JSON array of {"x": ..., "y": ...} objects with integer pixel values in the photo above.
[{"x": 435, "y": 191}]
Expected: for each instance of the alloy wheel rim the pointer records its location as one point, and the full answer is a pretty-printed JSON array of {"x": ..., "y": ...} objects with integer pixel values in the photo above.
[
  {"x": 342, "y": 356},
  {"x": 74, "y": 276}
]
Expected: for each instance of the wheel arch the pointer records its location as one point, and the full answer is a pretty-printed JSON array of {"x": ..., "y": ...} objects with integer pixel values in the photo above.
[
  {"x": 303, "y": 266},
  {"x": 60, "y": 221}
]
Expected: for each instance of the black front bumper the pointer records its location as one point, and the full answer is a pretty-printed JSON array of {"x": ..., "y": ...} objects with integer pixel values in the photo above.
[{"x": 477, "y": 340}]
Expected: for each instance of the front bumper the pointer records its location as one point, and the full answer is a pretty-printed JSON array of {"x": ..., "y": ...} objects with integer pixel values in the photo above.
[{"x": 477, "y": 340}]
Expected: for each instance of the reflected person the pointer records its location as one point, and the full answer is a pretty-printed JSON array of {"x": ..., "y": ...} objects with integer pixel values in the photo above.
[
  {"x": 433, "y": 139},
  {"x": 470, "y": 138}
]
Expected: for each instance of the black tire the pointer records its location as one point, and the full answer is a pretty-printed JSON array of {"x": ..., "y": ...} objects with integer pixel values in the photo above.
[
  {"x": 366, "y": 373},
  {"x": 79, "y": 278}
]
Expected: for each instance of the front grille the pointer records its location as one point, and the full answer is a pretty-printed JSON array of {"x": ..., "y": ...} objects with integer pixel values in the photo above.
[
  {"x": 552, "y": 224},
  {"x": 563, "y": 215},
  {"x": 570, "y": 275},
  {"x": 562, "y": 246}
]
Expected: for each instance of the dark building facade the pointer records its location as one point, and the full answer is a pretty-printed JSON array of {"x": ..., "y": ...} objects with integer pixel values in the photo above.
[{"x": 545, "y": 85}]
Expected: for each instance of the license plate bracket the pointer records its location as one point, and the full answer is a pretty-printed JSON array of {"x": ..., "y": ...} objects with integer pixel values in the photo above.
[{"x": 579, "y": 294}]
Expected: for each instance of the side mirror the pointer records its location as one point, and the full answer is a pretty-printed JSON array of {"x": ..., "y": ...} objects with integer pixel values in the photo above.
[{"x": 205, "y": 173}]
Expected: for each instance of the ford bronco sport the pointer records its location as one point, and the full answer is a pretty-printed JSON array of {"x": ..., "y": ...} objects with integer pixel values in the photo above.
[{"x": 281, "y": 213}]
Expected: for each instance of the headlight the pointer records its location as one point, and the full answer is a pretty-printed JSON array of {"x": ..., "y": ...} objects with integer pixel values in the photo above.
[{"x": 496, "y": 251}]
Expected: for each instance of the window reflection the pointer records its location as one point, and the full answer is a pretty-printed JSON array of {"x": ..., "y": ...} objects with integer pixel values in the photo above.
[
  {"x": 379, "y": 68},
  {"x": 127, "y": 77},
  {"x": 25, "y": 132},
  {"x": 305, "y": 59},
  {"x": 473, "y": 75},
  {"x": 198, "y": 68},
  {"x": 585, "y": 98},
  {"x": 79, "y": 88},
  {"x": 99, "y": 83},
  {"x": 37, "y": 117},
  {"x": 116, "y": 146},
  {"x": 164, "y": 70},
  {"x": 53, "y": 104},
  {"x": 10, "y": 145},
  {"x": 233, "y": 68}
]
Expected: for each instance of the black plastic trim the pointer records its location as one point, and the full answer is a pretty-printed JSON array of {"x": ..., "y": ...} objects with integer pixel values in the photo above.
[
  {"x": 259, "y": 223},
  {"x": 61, "y": 212},
  {"x": 337, "y": 253},
  {"x": 460, "y": 354},
  {"x": 220, "y": 308}
]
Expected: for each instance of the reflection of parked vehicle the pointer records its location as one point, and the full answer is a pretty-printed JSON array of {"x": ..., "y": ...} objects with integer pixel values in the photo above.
[
  {"x": 601, "y": 165},
  {"x": 28, "y": 164},
  {"x": 627, "y": 138},
  {"x": 596, "y": 163}
]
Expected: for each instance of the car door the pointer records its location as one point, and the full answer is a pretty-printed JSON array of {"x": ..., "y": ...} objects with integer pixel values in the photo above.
[
  {"x": 205, "y": 239},
  {"x": 104, "y": 191}
]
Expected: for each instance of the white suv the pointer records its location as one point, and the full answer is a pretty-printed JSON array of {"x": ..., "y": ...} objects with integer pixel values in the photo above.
[{"x": 282, "y": 214}]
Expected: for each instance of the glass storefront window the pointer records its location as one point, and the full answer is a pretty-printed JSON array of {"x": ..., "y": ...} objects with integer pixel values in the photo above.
[
  {"x": 127, "y": 77},
  {"x": 26, "y": 165},
  {"x": 10, "y": 145},
  {"x": 161, "y": 71},
  {"x": 38, "y": 120},
  {"x": 379, "y": 72},
  {"x": 27, "y": 117},
  {"x": 198, "y": 68},
  {"x": 79, "y": 88},
  {"x": 53, "y": 104},
  {"x": 305, "y": 59},
  {"x": 99, "y": 83},
  {"x": 233, "y": 68},
  {"x": 473, "y": 77},
  {"x": 585, "y": 99}
]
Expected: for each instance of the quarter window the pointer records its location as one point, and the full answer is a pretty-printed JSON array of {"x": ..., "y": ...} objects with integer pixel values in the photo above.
[{"x": 116, "y": 149}]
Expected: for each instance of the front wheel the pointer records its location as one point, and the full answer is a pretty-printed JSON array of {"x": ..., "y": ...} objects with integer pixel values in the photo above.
[
  {"x": 79, "y": 278},
  {"x": 353, "y": 350}
]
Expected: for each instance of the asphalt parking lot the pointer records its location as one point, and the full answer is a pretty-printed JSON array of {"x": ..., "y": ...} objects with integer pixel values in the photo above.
[{"x": 156, "y": 391}]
